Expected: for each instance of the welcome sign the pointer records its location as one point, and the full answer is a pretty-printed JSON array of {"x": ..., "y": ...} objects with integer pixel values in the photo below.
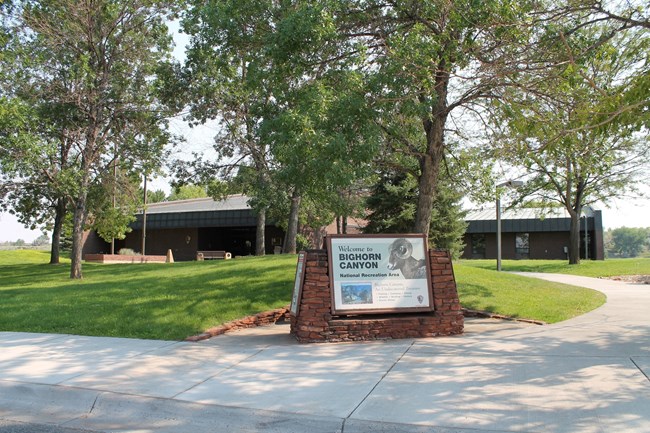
[{"x": 373, "y": 274}]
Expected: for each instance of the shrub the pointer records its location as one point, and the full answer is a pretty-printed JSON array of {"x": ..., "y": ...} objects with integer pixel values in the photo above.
[{"x": 127, "y": 252}]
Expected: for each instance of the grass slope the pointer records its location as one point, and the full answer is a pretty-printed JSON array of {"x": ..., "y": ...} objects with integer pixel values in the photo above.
[
  {"x": 159, "y": 301},
  {"x": 522, "y": 297},
  {"x": 171, "y": 302}
]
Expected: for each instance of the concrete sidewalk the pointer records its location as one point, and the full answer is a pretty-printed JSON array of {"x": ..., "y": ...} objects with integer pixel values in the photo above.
[{"x": 588, "y": 374}]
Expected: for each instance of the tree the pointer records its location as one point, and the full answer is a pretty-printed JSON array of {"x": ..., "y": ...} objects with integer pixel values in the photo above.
[
  {"x": 628, "y": 242},
  {"x": 251, "y": 66},
  {"x": 185, "y": 192},
  {"x": 113, "y": 202},
  {"x": 322, "y": 141},
  {"x": 623, "y": 25},
  {"x": 392, "y": 204},
  {"x": 551, "y": 135},
  {"x": 448, "y": 219},
  {"x": 33, "y": 167},
  {"x": 427, "y": 61},
  {"x": 155, "y": 196},
  {"x": 225, "y": 79},
  {"x": 91, "y": 64},
  {"x": 41, "y": 240}
]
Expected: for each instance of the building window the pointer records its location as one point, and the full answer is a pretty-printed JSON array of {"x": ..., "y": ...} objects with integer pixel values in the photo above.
[
  {"x": 478, "y": 246},
  {"x": 522, "y": 246}
]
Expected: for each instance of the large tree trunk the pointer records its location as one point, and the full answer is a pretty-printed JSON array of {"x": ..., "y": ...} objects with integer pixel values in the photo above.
[
  {"x": 260, "y": 233},
  {"x": 430, "y": 169},
  {"x": 574, "y": 239},
  {"x": 79, "y": 222},
  {"x": 429, "y": 172},
  {"x": 430, "y": 161},
  {"x": 262, "y": 183},
  {"x": 59, "y": 216},
  {"x": 292, "y": 228},
  {"x": 319, "y": 235}
]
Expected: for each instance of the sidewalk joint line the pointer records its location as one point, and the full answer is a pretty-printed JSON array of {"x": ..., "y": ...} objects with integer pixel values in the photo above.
[
  {"x": 380, "y": 380},
  {"x": 639, "y": 368},
  {"x": 94, "y": 403},
  {"x": 220, "y": 372}
]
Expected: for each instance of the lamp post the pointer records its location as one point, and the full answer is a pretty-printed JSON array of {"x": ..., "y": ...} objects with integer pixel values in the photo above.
[
  {"x": 508, "y": 184},
  {"x": 144, "y": 216}
]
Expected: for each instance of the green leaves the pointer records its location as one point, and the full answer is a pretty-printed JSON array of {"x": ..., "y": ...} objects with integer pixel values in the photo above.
[{"x": 87, "y": 72}]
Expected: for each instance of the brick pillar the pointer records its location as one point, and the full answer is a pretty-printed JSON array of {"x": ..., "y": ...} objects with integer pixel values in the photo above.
[{"x": 315, "y": 309}]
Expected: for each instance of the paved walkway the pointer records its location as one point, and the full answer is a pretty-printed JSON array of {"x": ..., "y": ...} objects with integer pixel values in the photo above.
[{"x": 588, "y": 374}]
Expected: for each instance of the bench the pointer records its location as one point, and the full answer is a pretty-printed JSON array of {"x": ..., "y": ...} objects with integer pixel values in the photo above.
[{"x": 211, "y": 255}]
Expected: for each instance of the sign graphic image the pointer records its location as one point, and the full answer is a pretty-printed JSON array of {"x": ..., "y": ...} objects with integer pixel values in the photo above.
[{"x": 379, "y": 273}]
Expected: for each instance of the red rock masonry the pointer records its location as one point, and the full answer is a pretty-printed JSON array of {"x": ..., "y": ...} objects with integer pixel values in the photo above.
[
  {"x": 261, "y": 319},
  {"x": 315, "y": 322}
]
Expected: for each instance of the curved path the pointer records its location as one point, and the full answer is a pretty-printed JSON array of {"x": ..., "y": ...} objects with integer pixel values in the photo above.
[
  {"x": 587, "y": 374},
  {"x": 584, "y": 375}
]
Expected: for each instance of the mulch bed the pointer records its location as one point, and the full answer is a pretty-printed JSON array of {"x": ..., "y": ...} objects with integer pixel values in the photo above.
[{"x": 636, "y": 279}]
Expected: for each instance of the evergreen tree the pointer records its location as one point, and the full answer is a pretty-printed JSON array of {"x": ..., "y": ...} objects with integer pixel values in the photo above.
[{"x": 393, "y": 203}]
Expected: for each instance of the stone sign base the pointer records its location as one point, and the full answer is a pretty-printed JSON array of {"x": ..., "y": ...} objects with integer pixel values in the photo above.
[{"x": 314, "y": 322}]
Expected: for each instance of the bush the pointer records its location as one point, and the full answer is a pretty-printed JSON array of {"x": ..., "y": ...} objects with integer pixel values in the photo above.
[{"x": 127, "y": 252}]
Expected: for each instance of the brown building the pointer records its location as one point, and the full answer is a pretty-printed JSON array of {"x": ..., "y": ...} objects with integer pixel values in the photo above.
[
  {"x": 531, "y": 234},
  {"x": 188, "y": 226}
]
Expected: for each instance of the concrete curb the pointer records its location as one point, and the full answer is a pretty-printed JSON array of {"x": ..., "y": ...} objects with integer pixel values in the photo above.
[
  {"x": 362, "y": 426},
  {"x": 107, "y": 411},
  {"x": 86, "y": 410},
  {"x": 26, "y": 402}
]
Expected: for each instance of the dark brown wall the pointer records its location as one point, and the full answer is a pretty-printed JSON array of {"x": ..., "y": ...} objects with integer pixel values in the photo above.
[
  {"x": 182, "y": 242},
  {"x": 543, "y": 245},
  {"x": 548, "y": 245},
  {"x": 222, "y": 238},
  {"x": 93, "y": 244}
]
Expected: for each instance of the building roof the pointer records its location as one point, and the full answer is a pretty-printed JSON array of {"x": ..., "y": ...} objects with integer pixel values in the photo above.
[
  {"x": 489, "y": 214},
  {"x": 206, "y": 204},
  {"x": 233, "y": 211},
  {"x": 523, "y": 220}
]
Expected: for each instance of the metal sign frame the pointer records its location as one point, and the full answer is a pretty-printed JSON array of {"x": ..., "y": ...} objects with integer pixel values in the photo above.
[{"x": 376, "y": 274}]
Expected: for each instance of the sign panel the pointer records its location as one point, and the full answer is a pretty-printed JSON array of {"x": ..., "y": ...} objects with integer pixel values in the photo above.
[
  {"x": 379, "y": 273},
  {"x": 298, "y": 282}
]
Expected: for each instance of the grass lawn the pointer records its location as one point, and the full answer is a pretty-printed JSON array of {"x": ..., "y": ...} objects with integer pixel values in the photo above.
[
  {"x": 587, "y": 268},
  {"x": 171, "y": 302},
  {"x": 158, "y": 301},
  {"x": 522, "y": 297}
]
